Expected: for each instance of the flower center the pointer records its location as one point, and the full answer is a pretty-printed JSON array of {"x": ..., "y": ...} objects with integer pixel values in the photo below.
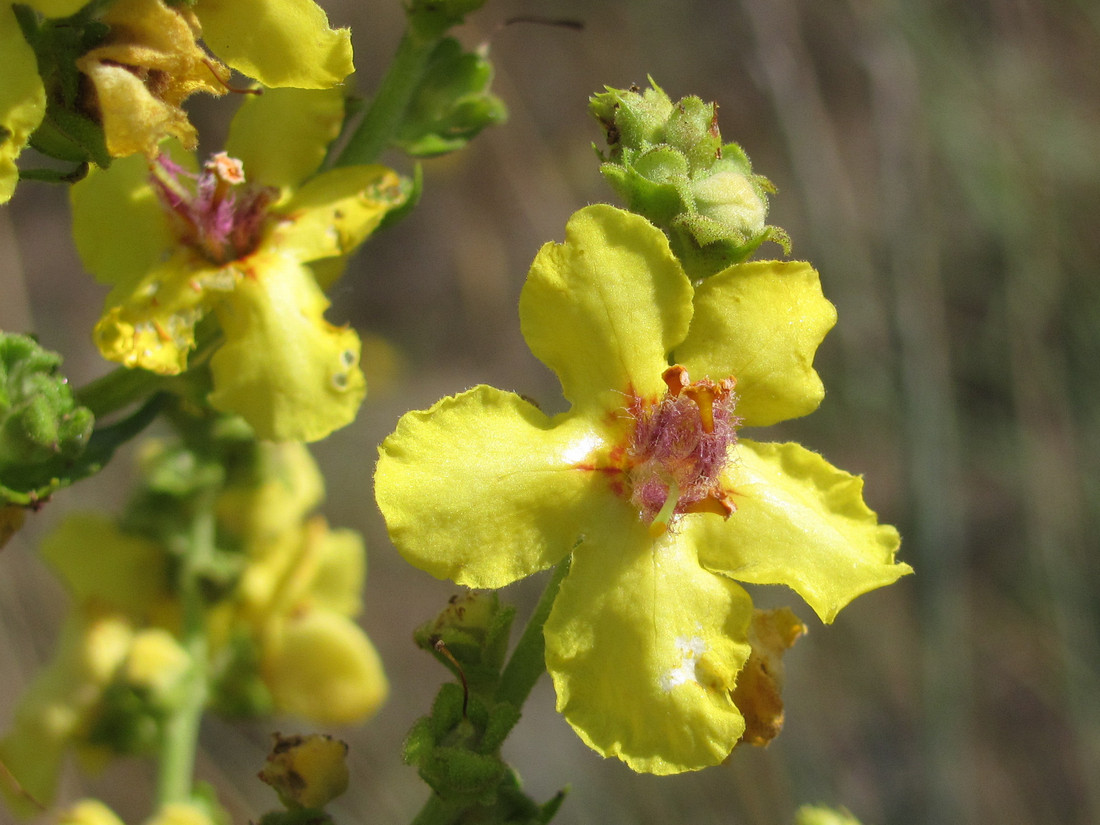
[
  {"x": 678, "y": 449},
  {"x": 216, "y": 212}
]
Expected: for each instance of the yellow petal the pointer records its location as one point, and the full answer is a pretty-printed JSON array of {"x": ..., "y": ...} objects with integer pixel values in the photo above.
[
  {"x": 119, "y": 225},
  {"x": 335, "y": 212},
  {"x": 99, "y": 563},
  {"x": 307, "y": 771},
  {"x": 289, "y": 373},
  {"x": 278, "y": 42},
  {"x": 22, "y": 99},
  {"x": 761, "y": 323},
  {"x": 152, "y": 324},
  {"x": 148, "y": 65},
  {"x": 799, "y": 522},
  {"x": 306, "y": 122},
  {"x": 644, "y": 647},
  {"x": 484, "y": 489},
  {"x": 89, "y": 812},
  {"x": 321, "y": 666},
  {"x": 603, "y": 309}
]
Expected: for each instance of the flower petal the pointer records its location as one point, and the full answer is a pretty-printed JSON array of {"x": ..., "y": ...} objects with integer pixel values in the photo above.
[
  {"x": 603, "y": 309},
  {"x": 119, "y": 226},
  {"x": 144, "y": 70},
  {"x": 799, "y": 522},
  {"x": 22, "y": 99},
  {"x": 152, "y": 324},
  {"x": 321, "y": 666},
  {"x": 306, "y": 121},
  {"x": 761, "y": 322},
  {"x": 289, "y": 373},
  {"x": 103, "y": 565},
  {"x": 484, "y": 489},
  {"x": 335, "y": 212},
  {"x": 644, "y": 647},
  {"x": 278, "y": 42}
]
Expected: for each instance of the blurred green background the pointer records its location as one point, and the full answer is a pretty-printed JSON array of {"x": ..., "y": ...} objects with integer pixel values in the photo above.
[{"x": 940, "y": 164}]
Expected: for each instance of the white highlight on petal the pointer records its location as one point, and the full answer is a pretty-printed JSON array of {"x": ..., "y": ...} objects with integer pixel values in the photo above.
[
  {"x": 581, "y": 448},
  {"x": 691, "y": 649}
]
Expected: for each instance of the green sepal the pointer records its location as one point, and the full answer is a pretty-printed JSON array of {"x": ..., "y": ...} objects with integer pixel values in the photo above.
[
  {"x": 127, "y": 722},
  {"x": 452, "y": 103},
  {"x": 431, "y": 18},
  {"x": 237, "y": 688},
  {"x": 43, "y": 431},
  {"x": 503, "y": 716},
  {"x": 514, "y": 807},
  {"x": 474, "y": 629},
  {"x": 67, "y": 133},
  {"x": 462, "y": 776},
  {"x": 456, "y": 749}
]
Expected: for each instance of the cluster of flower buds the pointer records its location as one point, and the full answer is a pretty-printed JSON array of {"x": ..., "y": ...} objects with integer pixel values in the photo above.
[{"x": 668, "y": 163}]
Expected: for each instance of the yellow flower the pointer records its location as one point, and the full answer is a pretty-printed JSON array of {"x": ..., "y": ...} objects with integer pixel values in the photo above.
[
  {"x": 299, "y": 595},
  {"x": 150, "y": 62},
  {"x": 238, "y": 239},
  {"x": 645, "y": 483},
  {"x": 148, "y": 65}
]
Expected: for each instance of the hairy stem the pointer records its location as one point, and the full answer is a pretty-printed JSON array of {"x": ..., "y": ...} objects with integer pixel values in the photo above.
[
  {"x": 181, "y": 730},
  {"x": 387, "y": 110}
]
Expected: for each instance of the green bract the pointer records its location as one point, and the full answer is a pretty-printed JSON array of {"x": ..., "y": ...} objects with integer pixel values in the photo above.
[
  {"x": 283, "y": 368},
  {"x": 644, "y": 482}
]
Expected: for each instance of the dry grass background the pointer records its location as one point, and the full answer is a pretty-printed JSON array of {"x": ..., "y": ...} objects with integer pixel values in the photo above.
[{"x": 938, "y": 162}]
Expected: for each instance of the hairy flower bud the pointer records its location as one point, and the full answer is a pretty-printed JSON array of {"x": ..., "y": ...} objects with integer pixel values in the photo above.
[{"x": 668, "y": 162}]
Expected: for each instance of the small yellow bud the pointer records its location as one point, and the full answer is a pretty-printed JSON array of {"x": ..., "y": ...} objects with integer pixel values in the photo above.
[
  {"x": 306, "y": 771},
  {"x": 156, "y": 661},
  {"x": 89, "y": 812},
  {"x": 180, "y": 813}
]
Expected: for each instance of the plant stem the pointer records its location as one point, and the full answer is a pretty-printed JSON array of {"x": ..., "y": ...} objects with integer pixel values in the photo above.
[
  {"x": 387, "y": 110},
  {"x": 118, "y": 389},
  {"x": 181, "y": 730},
  {"x": 528, "y": 661},
  {"x": 524, "y": 668},
  {"x": 437, "y": 812}
]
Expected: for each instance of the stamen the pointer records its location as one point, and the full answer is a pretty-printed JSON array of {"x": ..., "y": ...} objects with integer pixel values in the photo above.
[
  {"x": 659, "y": 526},
  {"x": 719, "y": 505},
  {"x": 676, "y": 378},
  {"x": 703, "y": 396}
]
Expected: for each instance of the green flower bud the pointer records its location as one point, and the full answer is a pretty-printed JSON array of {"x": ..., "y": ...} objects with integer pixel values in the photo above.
[
  {"x": 471, "y": 637},
  {"x": 451, "y": 104},
  {"x": 667, "y": 161},
  {"x": 431, "y": 18},
  {"x": 42, "y": 429}
]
